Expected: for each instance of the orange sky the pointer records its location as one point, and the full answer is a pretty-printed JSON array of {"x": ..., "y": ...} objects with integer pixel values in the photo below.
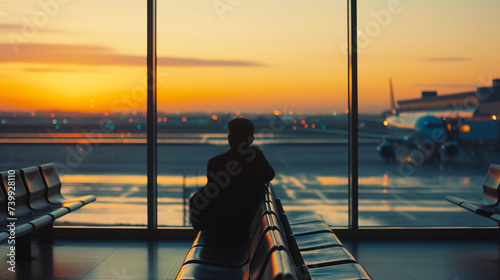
[{"x": 255, "y": 56}]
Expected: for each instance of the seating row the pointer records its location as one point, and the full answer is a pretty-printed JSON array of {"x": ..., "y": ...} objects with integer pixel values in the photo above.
[
  {"x": 489, "y": 204},
  {"x": 276, "y": 249},
  {"x": 31, "y": 200}
]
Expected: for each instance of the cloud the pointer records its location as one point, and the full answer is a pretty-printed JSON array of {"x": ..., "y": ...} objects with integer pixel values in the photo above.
[
  {"x": 60, "y": 70},
  {"x": 445, "y": 86},
  {"x": 8, "y": 27},
  {"x": 99, "y": 55},
  {"x": 446, "y": 59}
]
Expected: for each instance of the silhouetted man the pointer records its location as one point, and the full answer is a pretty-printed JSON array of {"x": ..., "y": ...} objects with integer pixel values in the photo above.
[{"x": 236, "y": 185}]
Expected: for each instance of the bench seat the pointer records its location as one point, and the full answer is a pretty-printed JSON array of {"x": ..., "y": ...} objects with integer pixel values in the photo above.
[{"x": 276, "y": 250}]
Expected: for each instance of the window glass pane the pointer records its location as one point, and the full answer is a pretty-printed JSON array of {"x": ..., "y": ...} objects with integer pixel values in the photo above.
[
  {"x": 73, "y": 75},
  {"x": 282, "y": 64},
  {"x": 442, "y": 59}
]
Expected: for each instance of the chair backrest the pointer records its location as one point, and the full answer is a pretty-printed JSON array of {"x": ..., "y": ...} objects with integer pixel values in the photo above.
[
  {"x": 20, "y": 194},
  {"x": 3, "y": 204},
  {"x": 279, "y": 267},
  {"x": 491, "y": 185},
  {"x": 51, "y": 180},
  {"x": 37, "y": 193},
  {"x": 259, "y": 256}
]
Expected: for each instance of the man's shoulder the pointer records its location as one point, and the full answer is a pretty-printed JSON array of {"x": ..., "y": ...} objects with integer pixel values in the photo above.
[{"x": 220, "y": 158}]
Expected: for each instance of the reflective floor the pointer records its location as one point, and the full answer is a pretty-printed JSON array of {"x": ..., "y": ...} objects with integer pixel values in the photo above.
[{"x": 133, "y": 259}]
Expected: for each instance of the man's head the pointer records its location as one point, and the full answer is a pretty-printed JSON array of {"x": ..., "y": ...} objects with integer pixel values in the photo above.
[{"x": 241, "y": 130}]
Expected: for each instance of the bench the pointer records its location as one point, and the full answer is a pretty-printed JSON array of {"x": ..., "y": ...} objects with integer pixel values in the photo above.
[
  {"x": 276, "y": 249},
  {"x": 489, "y": 204},
  {"x": 31, "y": 199}
]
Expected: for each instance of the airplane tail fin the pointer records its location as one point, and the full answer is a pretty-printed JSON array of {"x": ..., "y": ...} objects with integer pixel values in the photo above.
[{"x": 394, "y": 109}]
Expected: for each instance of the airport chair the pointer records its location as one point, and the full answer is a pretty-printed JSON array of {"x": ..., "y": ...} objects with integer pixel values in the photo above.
[
  {"x": 312, "y": 240},
  {"x": 279, "y": 267},
  {"x": 23, "y": 209},
  {"x": 490, "y": 198},
  {"x": 199, "y": 271},
  {"x": 297, "y": 219},
  {"x": 346, "y": 271},
  {"x": 37, "y": 222},
  {"x": 317, "y": 257},
  {"x": 261, "y": 253},
  {"x": 496, "y": 218},
  {"x": 33, "y": 181},
  {"x": 53, "y": 185},
  {"x": 213, "y": 253},
  {"x": 23, "y": 229}
]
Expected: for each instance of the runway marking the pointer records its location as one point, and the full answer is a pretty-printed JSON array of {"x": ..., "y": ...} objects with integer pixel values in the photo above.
[
  {"x": 409, "y": 216},
  {"x": 321, "y": 195},
  {"x": 297, "y": 183}
]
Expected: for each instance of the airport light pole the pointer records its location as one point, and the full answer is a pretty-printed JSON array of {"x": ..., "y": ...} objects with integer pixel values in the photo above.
[{"x": 152, "y": 168}]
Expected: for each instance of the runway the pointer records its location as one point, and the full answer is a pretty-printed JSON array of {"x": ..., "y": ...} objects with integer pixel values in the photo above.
[{"x": 309, "y": 178}]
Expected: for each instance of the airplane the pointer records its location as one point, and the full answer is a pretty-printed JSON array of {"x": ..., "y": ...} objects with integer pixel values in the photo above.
[{"x": 426, "y": 133}]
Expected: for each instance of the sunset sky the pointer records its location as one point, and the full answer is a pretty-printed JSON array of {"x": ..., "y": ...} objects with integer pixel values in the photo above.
[{"x": 247, "y": 56}]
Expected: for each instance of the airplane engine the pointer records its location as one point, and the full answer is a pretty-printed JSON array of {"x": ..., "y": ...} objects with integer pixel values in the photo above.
[
  {"x": 450, "y": 149},
  {"x": 386, "y": 150}
]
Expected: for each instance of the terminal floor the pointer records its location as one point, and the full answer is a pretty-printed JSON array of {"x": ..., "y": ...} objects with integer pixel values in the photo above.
[{"x": 136, "y": 259}]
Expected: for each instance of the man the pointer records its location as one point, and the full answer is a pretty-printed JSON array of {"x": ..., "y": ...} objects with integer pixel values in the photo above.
[{"x": 236, "y": 185}]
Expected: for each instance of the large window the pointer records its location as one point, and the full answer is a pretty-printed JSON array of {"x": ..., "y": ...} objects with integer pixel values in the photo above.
[
  {"x": 72, "y": 75},
  {"x": 281, "y": 64},
  {"x": 441, "y": 58}
]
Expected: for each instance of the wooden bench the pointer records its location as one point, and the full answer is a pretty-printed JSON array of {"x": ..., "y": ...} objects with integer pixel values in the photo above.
[
  {"x": 31, "y": 199},
  {"x": 276, "y": 249},
  {"x": 489, "y": 204}
]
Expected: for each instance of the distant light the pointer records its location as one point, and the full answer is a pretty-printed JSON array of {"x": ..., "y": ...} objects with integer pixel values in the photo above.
[
  {"x": 112, "y": 127},
  {"x": 294, "y": 121},
  {"x": 54, "y": 121},
  {"x": 134, "y": 113},
  {"x": 346, "y": 110},
  {"x": 57, "y": 126},
  {"x": 130, "y": 120},
  {"x": 334, "y": 113},
  {"x": 494, "y": 117},
  {"x": 164, "y": 119},
  {"x": 106, "y": 114},
  {"x": 303, "y": 122},
  {"x": 323, "y": 126},
  {"x": 277, "y": 112},
  {"x": 408, "y": 159},
  {"x": 52, "y": 115},
  {"x": 306, "y": 125},
  {"x": 159, "y": 119},
  {"x": 138, "y": 126},
  {"x": 313, "y": 126},
  {"x": 184, "y": 119},
  {"x": 290, "y": 113},
  {"x": 384, "y": 191},
  {"x": 386, "y": 123},
  {"x": 294, "y": 127},
  {"x": 465, "y": 128},
  {"x": 110, "y": 121},
  {"x": 4, "y": 121},
  {"x": 214, "y": 117},
  {"x": 32, "y": 113},
  {"x": 225, "y": 126},
  {"x": 65, "y": 121}
]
